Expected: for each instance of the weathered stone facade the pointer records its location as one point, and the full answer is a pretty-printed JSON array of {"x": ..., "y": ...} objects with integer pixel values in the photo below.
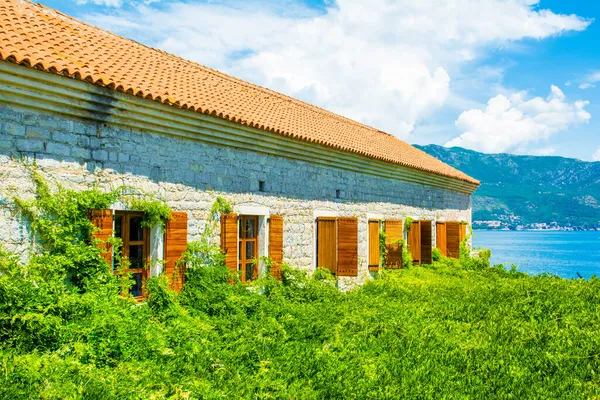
[{"x": 190, "y": 174}]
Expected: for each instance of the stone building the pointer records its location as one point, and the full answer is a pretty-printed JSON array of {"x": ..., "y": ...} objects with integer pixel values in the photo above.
[{"x": 307, "y": 186}]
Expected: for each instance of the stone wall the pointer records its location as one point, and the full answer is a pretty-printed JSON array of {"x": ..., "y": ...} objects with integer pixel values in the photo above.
[{"x": 190, "y": 174}]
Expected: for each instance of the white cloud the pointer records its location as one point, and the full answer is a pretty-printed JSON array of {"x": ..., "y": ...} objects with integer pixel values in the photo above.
[
  {"x": 590, "y": 80},
  {"x": 596, "y": 155},
  {"x": 108, "y": 3},
  {"x": 512, "y": 124},
  {"x": 388, "y": 64}
]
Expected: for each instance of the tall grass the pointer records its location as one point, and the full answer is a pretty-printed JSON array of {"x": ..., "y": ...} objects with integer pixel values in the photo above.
[{"x": 428, "y": 332}]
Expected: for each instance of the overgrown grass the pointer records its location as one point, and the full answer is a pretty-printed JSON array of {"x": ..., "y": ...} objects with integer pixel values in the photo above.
[
  {"x": 456, "y": 329},
  {"x": 432, "y": 332}
]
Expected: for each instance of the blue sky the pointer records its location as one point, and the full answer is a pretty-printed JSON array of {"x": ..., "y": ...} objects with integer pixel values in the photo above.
[{"x": 517, "y": 76}]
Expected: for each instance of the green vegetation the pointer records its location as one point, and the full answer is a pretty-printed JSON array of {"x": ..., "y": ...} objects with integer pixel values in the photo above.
[
  {"x": 156, "y": 212},
  {"x": 522, "y": 190},
  {"x": 457, "y": 329}
]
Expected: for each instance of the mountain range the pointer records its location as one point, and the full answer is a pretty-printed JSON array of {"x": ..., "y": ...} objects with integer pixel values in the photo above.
[{"x": 528, "y": 192}]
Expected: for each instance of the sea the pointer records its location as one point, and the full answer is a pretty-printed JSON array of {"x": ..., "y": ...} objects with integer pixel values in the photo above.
[{"x": 567, "y": 254}]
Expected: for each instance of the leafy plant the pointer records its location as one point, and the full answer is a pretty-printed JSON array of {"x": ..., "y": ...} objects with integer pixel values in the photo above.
[
  {"x": 407, "y": 224},
  {"x": 156, "y": 212}
]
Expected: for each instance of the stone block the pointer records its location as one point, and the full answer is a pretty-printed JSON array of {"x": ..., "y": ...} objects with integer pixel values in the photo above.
[
  {"x": 83, "y": 141},
  {"x": 79, "y": 152},
  {"x": 100, "y": 155},
  {"x": 36, "y": 132},
  {"x": 30, "y": 145},
  {"x": 58, "y": 149},
  {"x": 15, "y": 129},
  {"x": 63, "y": 137}
]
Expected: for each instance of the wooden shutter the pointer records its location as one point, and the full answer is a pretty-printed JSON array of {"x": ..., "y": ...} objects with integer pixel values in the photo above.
[
  {"x": 229, "y": 240},
  {"x": 414, "y": 241},
  {"x": 426, "y": 242},
  {"x": 394, "y": 232},
  {"x": 440, "y": 237},
  {"x": 326, "y": 243},
  {"x": 374, "y": 255},
  {"x": 176, "y": 232},
  {"x": 276, "y": 244},
  {"x": 103, "y": 221},
  {"x": 453, "y": 235},
  {"x": 347, "y": 246}
]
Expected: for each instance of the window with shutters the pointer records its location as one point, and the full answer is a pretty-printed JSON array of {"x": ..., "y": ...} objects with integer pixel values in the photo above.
[
  {"x": 337, "y": 245},
  {"x": 449, "y": 237},
  {"x": 128, "y": 227},
  {"x": 420, "y": 240},
  {"x": 242, "y": 239},
  {"x": 248, "y": 247},
  {"x": 140, "y": 242}
]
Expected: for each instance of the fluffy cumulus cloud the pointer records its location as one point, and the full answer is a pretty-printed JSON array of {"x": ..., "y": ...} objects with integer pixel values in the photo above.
[
  {"x": 385, "y": 63},
  {"x": 596, "y": 155},
  {"x": 516, "y": 123}
]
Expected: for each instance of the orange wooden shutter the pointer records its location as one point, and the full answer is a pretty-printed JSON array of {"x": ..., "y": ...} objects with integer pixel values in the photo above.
[
  {"x": 276, "y": 244},
  {"x": 374, "y": 245},
  {"x": 229, "y": 240},
  {"x": 440, "y": 237},
  {"x": 103, "y": 220},
  {"x": 326, "y": 243},
  {"x": 394, "y": 233},
  {"x": 453, "y": 235},
  {"x": 462, "y": 232},
  {"x": 175, "y": 244},
  {"x": 426, "y": 242},
  {"x": 347, "y": 246},
  {"x": 414, "y": 241}
]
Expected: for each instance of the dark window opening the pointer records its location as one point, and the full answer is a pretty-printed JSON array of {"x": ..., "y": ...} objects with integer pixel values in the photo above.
[
  {"x": 338, "y": 194},
  {"x": 135, "y": 250},
  {"x": 261, "y": 186},
  {"x": 248, "y": 247}
]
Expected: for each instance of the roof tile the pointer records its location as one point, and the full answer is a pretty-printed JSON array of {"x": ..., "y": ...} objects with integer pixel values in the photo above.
[{"x": 39, "y": 37}]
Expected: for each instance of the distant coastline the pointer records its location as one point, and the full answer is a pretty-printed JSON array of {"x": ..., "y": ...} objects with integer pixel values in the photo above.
[{"x": 526, "y": 229}]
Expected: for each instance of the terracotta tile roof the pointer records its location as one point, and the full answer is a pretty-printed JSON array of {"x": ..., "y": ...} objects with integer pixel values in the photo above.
[{"x": 46, "y": 39}]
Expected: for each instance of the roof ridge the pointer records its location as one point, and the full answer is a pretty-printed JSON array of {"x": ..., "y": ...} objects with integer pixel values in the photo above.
[{"x": 213, "y": 71}]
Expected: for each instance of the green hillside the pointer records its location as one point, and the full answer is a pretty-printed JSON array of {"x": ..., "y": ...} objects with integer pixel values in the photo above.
[{"x": 525, "y": 190}]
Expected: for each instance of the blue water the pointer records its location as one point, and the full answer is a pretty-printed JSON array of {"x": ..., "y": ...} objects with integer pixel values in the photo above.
[{"x": 560, "y": 253}]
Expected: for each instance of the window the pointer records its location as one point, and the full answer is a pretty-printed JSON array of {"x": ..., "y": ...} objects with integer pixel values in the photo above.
[
  {"x": 337, "y": 245},
  {"x": 135, "y": 237},
  {"x": 248, "y": 247},
  {"x": 449, "y": 236},
  {"x": 261, "y": 186},
  {"x": 139, "y": 244},
  {"x": 419, "y": 242}
]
